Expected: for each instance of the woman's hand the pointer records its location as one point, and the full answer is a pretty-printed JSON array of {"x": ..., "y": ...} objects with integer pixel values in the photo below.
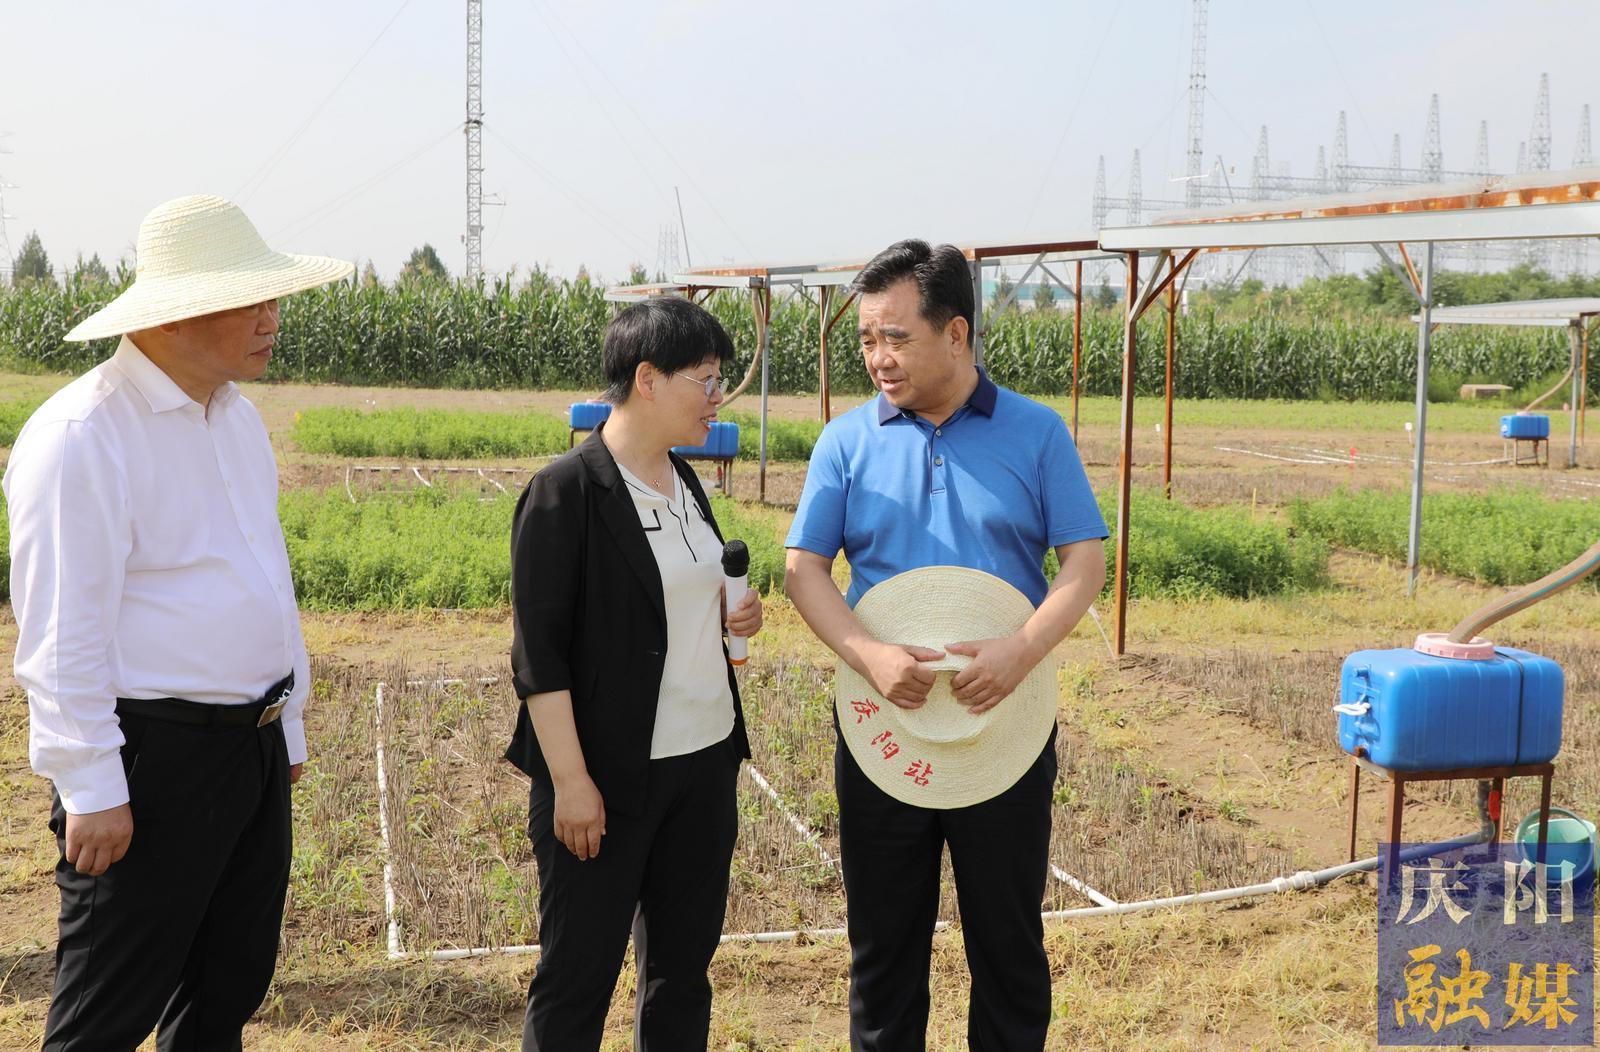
[
  {"x": 745, "y": 619},
  {"x": 580, "y": 818}
]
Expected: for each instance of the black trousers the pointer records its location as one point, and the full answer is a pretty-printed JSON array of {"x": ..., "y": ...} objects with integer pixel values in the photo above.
[
  {"x": 663, "y": 875},
  {"x": 891, "y": 853},
  {"x": 182, "y": 934}
]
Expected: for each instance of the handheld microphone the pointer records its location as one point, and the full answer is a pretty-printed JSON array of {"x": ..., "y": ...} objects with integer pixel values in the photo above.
[{"x": 735, "y": 583}]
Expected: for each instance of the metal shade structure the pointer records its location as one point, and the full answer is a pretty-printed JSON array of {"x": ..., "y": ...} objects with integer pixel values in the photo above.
[
  {"x": 1572, "y": 313},
  {"x": 1536, "y": 205},
  {"x": 1546, "y": 313},
  {"x": 829, "y": 286}
]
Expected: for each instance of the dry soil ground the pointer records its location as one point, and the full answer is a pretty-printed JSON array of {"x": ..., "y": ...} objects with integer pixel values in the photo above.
[{"x": 1219, "y": 715}]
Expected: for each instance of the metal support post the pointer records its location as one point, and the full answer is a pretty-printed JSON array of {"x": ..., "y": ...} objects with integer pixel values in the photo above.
[
  {"x": 763, "y": 311},
  {"x": 1130, "y": 334},
  {"x": 824, "y": 301},
  {"x": 1172, "y": 320},
  {"x": 977, "y": 311},
  {"x": 1077, "y": 341},
  {"x": 1573, "y": 340},
  {"x": 1424, "y": 348}
]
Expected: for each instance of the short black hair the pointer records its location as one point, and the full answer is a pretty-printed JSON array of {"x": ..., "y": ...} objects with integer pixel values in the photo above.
[
  {"x": 944, "y": 283},
  {"x": 670, "y": 333}
]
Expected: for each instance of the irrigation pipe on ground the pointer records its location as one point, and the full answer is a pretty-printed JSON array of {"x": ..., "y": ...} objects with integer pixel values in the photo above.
[{"x": 1302, "y": 881}]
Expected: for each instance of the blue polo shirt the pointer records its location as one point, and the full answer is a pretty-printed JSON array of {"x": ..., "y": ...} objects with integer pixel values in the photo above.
[{"x": 991, "y": 488}]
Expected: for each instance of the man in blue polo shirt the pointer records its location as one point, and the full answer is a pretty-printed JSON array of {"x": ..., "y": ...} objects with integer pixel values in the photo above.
[{"x": 943, "y": 468}]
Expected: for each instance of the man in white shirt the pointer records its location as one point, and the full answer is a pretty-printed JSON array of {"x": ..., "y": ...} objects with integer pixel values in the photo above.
[{"x": 160, "y": 645}]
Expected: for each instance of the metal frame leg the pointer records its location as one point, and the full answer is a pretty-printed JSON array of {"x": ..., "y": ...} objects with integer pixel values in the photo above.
[
  {"x": 1355, "y": 803},
  {"x": 1496, "y": 802},
  {"x": 1397, "y": 804},
  {"x": 1544, "y": 815}
]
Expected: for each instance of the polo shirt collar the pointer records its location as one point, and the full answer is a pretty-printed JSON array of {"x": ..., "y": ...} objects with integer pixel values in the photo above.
[
  {"x": 983, "y": 399},
  {"x": 160, "y": 390}
]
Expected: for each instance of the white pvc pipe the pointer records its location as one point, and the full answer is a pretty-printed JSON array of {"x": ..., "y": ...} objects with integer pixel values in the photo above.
[
  {"x": 794, "y": 820},
  {"x": 1079, "y": 886},
  {"x": 1305, "y": 880},
  {"x": 1301, "y": 881},
  {"x": 383, "y": 833},
  {"x": 1094, "y": 616},
  {"x": 744, "y": 937}
]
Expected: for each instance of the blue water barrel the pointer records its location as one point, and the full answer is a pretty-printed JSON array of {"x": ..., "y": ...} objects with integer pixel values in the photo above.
[
  {"x": 1412, "y": 711},
  {"x": 723, "y": 441},
  {"x": 1525, "y": 425},
  {"x": 586, "y": 416}
]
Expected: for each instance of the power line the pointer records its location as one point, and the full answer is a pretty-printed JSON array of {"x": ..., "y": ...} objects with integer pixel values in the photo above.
[
  {"x": 623, "y": 98},
  {"x": 1322, "y": 35},
  {"x": 259, "y": 176},
  {"x": 1044, "y": 182},
  {"x": 333, "y": 204},
  {"x": 629, "y": 241}
]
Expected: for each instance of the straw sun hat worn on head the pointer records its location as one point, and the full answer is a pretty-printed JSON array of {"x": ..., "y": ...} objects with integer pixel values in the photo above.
[
  {"x": 199, "y": 255},
  {"x": 941, "y": 755}
]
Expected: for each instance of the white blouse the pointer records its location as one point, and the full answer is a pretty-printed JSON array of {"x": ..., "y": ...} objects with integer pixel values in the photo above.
[{"x": 695, "y": 707}]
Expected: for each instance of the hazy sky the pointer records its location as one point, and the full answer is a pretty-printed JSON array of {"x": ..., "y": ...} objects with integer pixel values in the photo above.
[{"x": 803, "y": 132}]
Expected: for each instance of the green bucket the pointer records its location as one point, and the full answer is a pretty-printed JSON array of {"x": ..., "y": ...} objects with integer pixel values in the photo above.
[{"x": 1568, "y": 839}]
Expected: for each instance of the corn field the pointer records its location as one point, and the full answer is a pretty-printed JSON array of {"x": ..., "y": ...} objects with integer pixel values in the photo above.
[{"x": 546, "y": 333}]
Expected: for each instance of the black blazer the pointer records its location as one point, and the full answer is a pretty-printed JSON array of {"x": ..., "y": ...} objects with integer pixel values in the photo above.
[{"x": 589, "y": 616}]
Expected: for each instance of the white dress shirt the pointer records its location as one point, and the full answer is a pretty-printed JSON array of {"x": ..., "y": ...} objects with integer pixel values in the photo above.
[
  {"x": 147, "y": 561},
  {"x": 695, "y": 707}
]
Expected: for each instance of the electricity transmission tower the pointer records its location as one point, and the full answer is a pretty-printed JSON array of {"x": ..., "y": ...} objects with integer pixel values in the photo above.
[{"x": 474, "y": 129}]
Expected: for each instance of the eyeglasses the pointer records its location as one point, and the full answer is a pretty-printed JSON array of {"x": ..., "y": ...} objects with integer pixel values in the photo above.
[{"x": 713, "y": 384}]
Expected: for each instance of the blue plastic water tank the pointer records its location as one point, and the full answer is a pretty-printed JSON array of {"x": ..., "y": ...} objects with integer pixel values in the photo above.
[
  {"x": 1425, "y": 712},
  {"x": 1525, "y": 425},
  {"x": 723, "y": 441},
  {"x": 586, "y": 416}
]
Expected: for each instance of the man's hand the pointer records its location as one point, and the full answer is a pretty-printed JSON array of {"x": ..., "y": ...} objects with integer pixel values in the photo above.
[
  {"x": 745, "y": 619},
  {"x": 580, "y": 818},
  {"x": 998, "y": 665},
  {"x": 97, "y": 839},
  {"x": 294, "y": 772},
  {"x": 900, "y": 673}
]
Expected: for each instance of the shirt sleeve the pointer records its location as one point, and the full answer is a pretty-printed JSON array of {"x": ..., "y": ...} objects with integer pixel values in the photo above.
[
  {"x": 293, "y": 718},
  {"x": 546, "y": 574},
  {"x": 70, "y": 540},
  {"x": 1070, "y": 511},
  {"x": 819, "y": 521}
]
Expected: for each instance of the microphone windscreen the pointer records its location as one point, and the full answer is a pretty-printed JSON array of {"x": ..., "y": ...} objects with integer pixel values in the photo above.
[{"x": 735, "y": 559}]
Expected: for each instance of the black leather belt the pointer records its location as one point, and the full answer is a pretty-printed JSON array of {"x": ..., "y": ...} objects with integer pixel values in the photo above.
[{"x": 259, "y": 713}]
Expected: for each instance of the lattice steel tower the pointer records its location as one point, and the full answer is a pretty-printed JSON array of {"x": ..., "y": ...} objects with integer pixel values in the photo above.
[
  {"x": 1539, "y": 139},
  {"x": 1136, "y": 192},
  {"x": 474, "y": 130},
  {"x": 1341, "y": 156},
  {"x": 1098, "y": 209},
  {"x": 1197, "y": 106},
  {"x": 5, "y": 241},
  {"x": 1432, "y": 152}
]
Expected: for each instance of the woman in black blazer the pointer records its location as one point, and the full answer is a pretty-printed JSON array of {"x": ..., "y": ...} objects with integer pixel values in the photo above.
[{"x": 631, "y": 727}]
